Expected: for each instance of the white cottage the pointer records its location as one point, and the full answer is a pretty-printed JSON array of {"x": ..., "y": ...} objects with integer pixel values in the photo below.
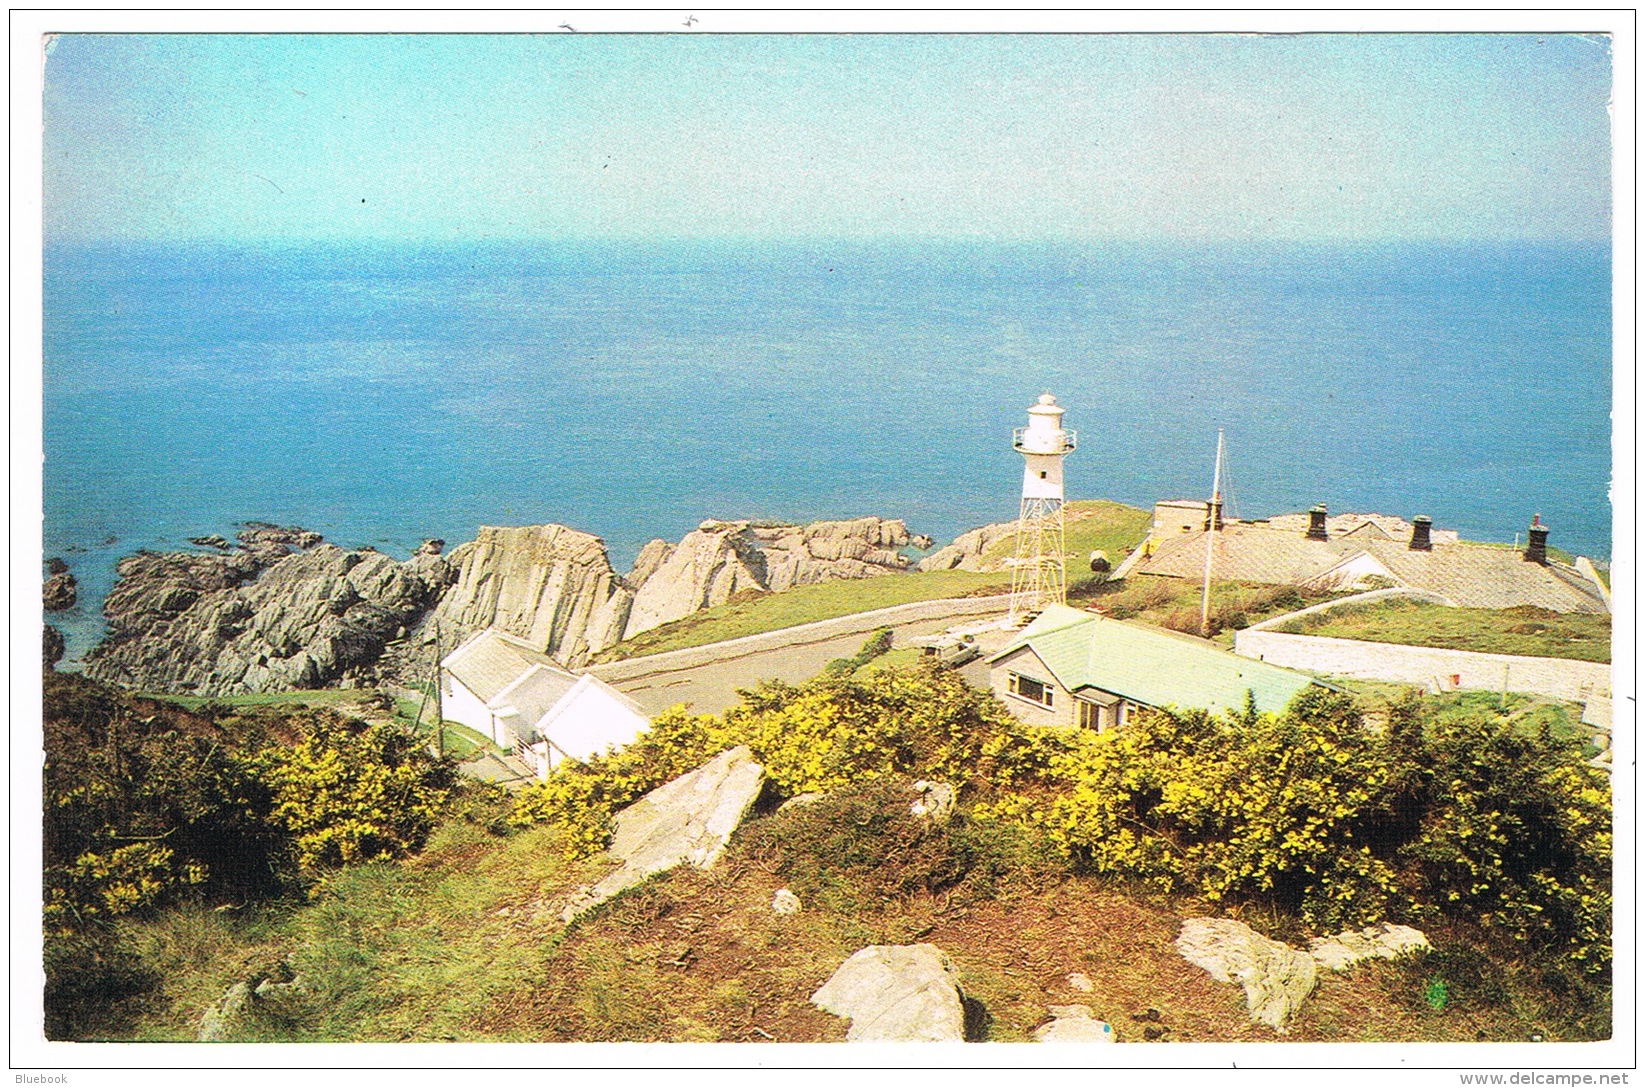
[{"x": 501, "y": 686}]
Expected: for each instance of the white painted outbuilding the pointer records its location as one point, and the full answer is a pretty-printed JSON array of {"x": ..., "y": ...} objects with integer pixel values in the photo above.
[{"x": 500, "y": 685}]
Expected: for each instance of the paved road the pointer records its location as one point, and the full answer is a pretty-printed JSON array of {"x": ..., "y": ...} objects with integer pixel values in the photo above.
[{"x": 711, "y": 686}]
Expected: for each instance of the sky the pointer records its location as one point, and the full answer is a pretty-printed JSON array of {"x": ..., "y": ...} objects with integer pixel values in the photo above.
[{"x": 426, "y": 138}]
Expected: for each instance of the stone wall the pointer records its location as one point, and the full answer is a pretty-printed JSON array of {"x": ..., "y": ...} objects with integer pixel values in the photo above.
[{"x": 1551, "y": 676}]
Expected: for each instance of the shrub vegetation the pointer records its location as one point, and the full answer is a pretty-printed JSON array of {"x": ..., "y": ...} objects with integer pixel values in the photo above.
[{"x": 1465, "y": 818}]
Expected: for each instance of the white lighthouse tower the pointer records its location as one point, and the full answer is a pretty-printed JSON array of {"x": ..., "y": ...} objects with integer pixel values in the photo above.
[{"x": 1038, "y": 576}]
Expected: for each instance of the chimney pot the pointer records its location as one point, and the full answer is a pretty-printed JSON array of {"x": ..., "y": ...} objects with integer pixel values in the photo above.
[
  {"x": 1316, "y": 523},
  {"x": 1420, "y": 527},
  {"x": 1536, "y": 545}
]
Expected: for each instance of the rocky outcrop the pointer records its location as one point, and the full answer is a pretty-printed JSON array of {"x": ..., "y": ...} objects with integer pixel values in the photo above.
[
  {"x": 1276, "y": 977},
  {"x": 552, "y": 586},
  {"x": 52, "y": 646},
  {"x": 966, "y": 553},
  {"x": 60, "y": 590},
  {"x": 686, "y": 821},
  {"x": 720, "y": 559},
  {"x": 1385, "y": 941},
  {"x": 282, "y": 611},
  {"x": 897, "y": 994}
]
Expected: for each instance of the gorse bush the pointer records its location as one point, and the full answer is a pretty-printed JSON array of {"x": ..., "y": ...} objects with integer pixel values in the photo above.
[
  {"x": 143, "y": 801},
  {"x": 817, "y": 737},
  {"x": 350, "y": 791},
  {"x": 1464, "y": 816},
  {"x": 1248, "y": 806}
]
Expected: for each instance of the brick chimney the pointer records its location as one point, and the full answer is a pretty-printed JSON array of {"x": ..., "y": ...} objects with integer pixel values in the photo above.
[
  {"x": 1536, "y": 542},
  {"x": 1420, "y": 526},
  {"x": 1316, "y": 523}
]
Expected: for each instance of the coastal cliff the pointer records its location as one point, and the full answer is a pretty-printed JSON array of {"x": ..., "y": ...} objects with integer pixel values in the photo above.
[
  {"x": 280, "y": 609},
  {"x": 722, "y": 558},
  {"x": 550, "y": 585}
]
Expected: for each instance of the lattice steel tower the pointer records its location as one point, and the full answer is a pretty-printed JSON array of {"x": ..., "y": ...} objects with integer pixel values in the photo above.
[{"x": 1038, "y": 574}]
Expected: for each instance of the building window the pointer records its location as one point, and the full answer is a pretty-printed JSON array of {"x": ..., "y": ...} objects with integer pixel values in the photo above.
[
  {"x": 1026, "y": 687},
  {"x": 1091, "y": 716},
  {"x": 1042, "y": 474}
]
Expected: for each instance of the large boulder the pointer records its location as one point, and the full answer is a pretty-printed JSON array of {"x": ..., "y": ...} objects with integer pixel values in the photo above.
[
  {"x": 1276, "y": 977},
  {"x": 686, "y": 821},
  {"x": 897, "y": 994},
  {"x": 1385, "y": 941}
]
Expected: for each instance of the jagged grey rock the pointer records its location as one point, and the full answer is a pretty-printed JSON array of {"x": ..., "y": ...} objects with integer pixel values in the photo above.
[
  {"x": 719, "y": 559},
  {"x": 785, "y": 902},
  {"x": 552, "y": 586},
  {"x": 686, "y": 821},
  {"x": 59, "y": 592},
  {"x": 897, "y": 994},
  {"x": 800, "y": 800},
  {"x": 1385, "y": 941},
  {"x": 52, "y": 646},
  {"x": 1074, "y": 1024},
  {"x": 966, "y": 553},
  {"x": 1276, "y": 977},
  {"x": 283, "y": 611},
  {"x": 936, "y": 801}
]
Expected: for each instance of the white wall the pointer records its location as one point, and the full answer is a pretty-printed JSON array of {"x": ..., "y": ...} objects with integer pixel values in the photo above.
[
  {"x": 594, "y": 720},
  {"x": 1551, "y": 676},
  {"x": 459, "y": 704}
]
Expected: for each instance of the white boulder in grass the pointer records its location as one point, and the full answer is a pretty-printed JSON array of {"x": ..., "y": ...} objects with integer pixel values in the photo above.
[
  {"x": 897, "y": 994},
  {"x": 1276, "y": 977},
  {"x": 688, "y": 820},
  {"x": 1385, "y": 941},
  {"x": 1074, "y": 1024},
  {"x": 785, "y": 902}
]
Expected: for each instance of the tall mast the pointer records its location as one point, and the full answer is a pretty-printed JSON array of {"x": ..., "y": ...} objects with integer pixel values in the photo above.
[{"x": 1211, "y": 520}]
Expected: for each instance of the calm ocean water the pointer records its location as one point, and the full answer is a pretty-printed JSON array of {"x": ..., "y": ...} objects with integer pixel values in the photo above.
[{"x": 385, "y": 395}]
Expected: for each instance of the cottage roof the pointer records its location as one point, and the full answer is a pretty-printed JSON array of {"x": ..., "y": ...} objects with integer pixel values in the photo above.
[
  {"x": 493, "y": 660},
  {"x": 1150, "y": 666},
  {"x": 1469, "y": 574},
  {"x": 535, "y": 692}
]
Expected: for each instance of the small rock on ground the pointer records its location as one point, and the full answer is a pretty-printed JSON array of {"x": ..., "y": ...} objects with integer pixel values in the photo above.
[
  {"x": 785, "y": 902},
  {"x": 1074, "y": 1024}
]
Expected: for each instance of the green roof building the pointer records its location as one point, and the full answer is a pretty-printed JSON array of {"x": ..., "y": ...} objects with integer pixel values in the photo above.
[{"x": 1076, "y": 668}]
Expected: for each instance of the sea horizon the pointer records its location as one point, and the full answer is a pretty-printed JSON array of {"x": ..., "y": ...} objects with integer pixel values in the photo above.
[{"x": 383, "y": 393}]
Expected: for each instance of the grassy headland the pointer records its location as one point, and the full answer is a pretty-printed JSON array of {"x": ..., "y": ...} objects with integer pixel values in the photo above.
[
  {"x": 1090, "y": 525},
  {"x": 1525, "y": 631}
]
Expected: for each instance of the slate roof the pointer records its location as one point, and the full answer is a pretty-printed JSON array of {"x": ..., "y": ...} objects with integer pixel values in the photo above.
[
  {"x": 492, "y": 660},
  {"x": 1362, "y": 527},
  {"x": 1150, "y": 666},
  {"x": 535, "y": 693},
  {"x": 1468, "y": 574}
]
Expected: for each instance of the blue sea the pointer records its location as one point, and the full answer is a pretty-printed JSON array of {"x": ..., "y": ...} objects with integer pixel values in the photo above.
[{"x": 383, "y": 395}]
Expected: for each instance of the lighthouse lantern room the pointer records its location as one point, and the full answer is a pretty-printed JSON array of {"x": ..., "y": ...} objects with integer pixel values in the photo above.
[{"x": 1038, "y": 572}]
